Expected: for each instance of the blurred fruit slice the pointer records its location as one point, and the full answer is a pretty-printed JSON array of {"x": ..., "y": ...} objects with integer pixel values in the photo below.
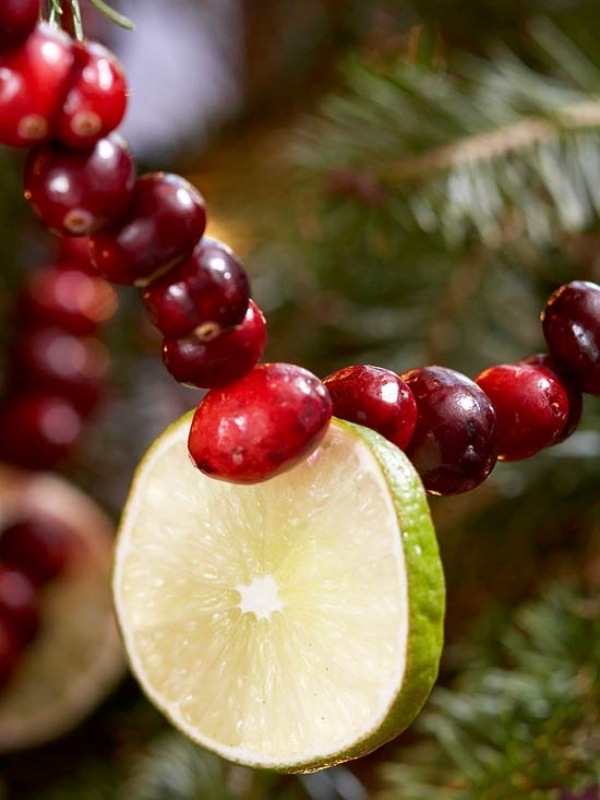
[{"x": 76, "y": 659}]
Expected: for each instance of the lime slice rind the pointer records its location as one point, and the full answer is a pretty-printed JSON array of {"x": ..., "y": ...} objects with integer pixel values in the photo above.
[{"x": 326, "y": 640}]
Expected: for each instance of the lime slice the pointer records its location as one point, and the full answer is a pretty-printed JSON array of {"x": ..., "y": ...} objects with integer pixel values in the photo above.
[
  {"x": 77, "y": 657},
  {"x": 286, "y": 625}
]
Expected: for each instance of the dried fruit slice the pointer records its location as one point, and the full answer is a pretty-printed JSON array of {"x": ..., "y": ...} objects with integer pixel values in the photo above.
[
  {"x": 76, "y": 659},
  {"x": 290, "y": 624}
]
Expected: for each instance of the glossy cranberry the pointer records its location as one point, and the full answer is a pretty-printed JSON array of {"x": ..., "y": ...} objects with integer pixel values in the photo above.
[
  {"x": 18, "y": 18},
  {"x": 38, "y": 430},
  {"x": 205, "y": 295},
  {"x": 454, "y": 445},
  {"x": 79, "y": 192},
  {"x": 34, "y": 80},
  {"x": 74, "y": 250},
  {"x": 97, "y": 96},
  {"x": 571, "y": 323},
  {"x": 261, "y": 425},
  {"x": 206, "y": 364},
  {"x": 218, "y": 361},
  {"x": 66, "y": 296},
  {"x": 531, "y": 405},
  {"x": 19, "y": 603},
  {"x": 164, "y": 223},
  {"x": 376, "y": 398},
  {"x": 574, "y": 395},
  {"x": 60, "y": 362},
  {"x": 40, "y": 547},
  {"x": 10, "y": 652}
]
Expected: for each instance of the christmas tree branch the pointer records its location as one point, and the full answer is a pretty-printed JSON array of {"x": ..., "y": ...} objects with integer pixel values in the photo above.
[
  {"x": 465, "y": 152},
  {"x": 494, "y": 144},
  {"x": 527, "y": 730}
]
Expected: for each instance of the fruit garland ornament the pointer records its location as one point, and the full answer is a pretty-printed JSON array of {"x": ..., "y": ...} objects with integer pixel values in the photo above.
[
  {"x": 54, "y": 543},
  {"x": 270, "y": 425}
]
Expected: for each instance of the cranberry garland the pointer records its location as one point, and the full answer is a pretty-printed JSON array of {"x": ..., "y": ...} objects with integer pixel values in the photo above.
[
  {"x": 57, "y": 376},
  {"x": 64, "y": 99},
  {"x": 57, "y": 369},
  {"x": 256, "y": 421}
]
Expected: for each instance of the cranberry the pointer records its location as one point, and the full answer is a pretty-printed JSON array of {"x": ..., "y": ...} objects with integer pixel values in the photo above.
[
  {"x": 260, "y": 425},
  {"x": 38, "y": 546},
  {"x": 573, "y": 394},
  {"x": 33, "y": 83},
  {"x": 165, "y": 221},
  {"x": 37, "y": 429},
  {"x": 531, "y": 407},
  {"x": 97, "y": 97},
  {"x": 19, "y": 604},
  {"x": 60, "y": 362},
  {"x": 66, "y": 296},
  {"x": 18, "y": 19},
  {"x": 74, "y": 250},
  {"x": 376, "y": 398},
  {"x": 205, "y": 295},
  {"x": 454, "y": 444},
  {"x": 10, "y": 652},
  {"x": 77, "y": 192},
  {"x": 221, "y": 360},
  {"x": 571, "y": 323}
]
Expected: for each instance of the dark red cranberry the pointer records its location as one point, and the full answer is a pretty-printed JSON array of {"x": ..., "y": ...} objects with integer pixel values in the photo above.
[
  {"x": 19, "y": 603},
  {"x": 34, "y": 80},
  {"x": 38, "y": 430},
  {"x": 376, "y": 398},
  {"x": 18, "y": 18},
  {"x": 10, "y": 652},
  {"x": 591, "y": 792},
  {"x": 205, "y": 295},
  {"x": 79, "y": 192},
  {"x": 218, "y": 361},
  {"x": 531, "y": 407},
  {"x": 573, "y": 394},
  {"x": 74, "y": 250},
  {"x": 97, "y": 96},
  {"x": 60, "y": 362},
  {"x": 66, "y": 296},
  {"x": 454, "y": 445},
  {"x": 261, "y": 425},
  {"x": 571, "y": 323},
  {"x": 164, "y": 223},
  {"x": 41, "y": 547}
]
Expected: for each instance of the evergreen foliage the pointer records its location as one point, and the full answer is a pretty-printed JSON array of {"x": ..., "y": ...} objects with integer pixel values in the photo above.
[{"x": 522, "y": 718}]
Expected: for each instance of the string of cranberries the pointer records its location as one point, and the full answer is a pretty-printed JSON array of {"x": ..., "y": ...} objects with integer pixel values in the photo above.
[
  {"x": 257, "y": 420},
  {"x": 57, "y": 376},
  {"x": 71, "y": 93}
]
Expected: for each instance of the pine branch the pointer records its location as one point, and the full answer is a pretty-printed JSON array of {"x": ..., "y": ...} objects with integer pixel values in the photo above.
[
  {"x": 176, "y": 769},
  {"x": 531, "y": 730},
  {"x": 492, "y": 149}
]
